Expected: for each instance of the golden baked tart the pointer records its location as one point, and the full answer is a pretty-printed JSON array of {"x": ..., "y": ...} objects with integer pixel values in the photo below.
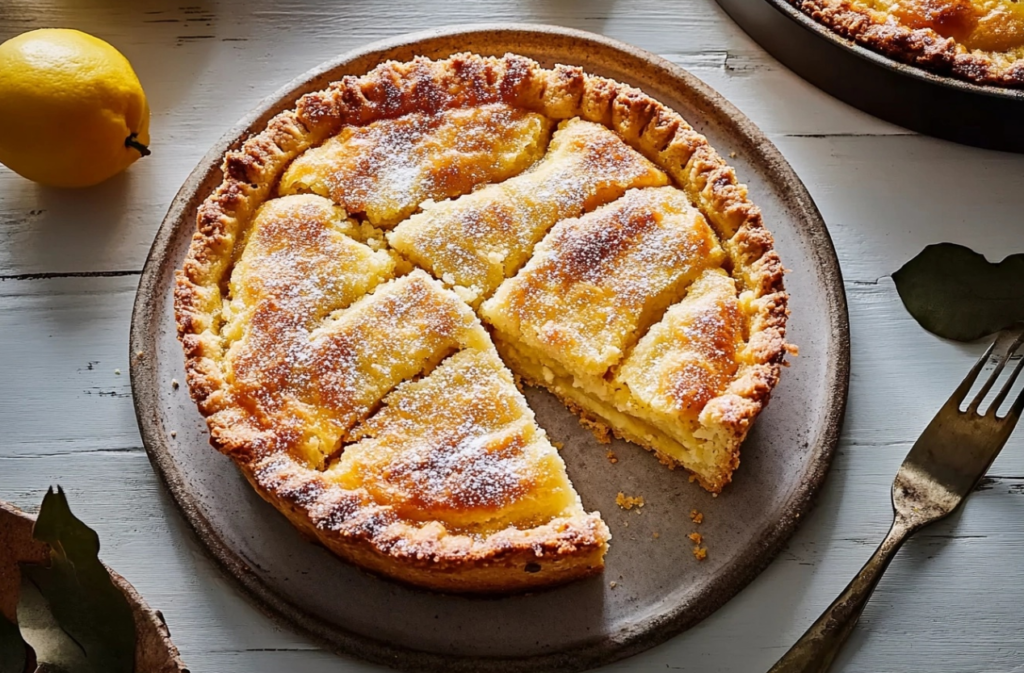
[
  {"x": 383, "y": 264},
  {"x": 981, "y": 41}
]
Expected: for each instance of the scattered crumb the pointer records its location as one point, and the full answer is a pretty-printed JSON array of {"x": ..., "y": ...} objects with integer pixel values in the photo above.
[
  {"x": 693, "y": 478},
  {"x": 117, "y": 372},
  {"x": 628, "y": 502},
  {"x": 557, "y": 445},
  {"x": 732, "y": 155},
  {"x": 655, "y": 535},
  {"x": 700, "y": 553},
  {"x": 696, "y": 516},
  {"x": 696, "y": 538},
  {"x": 612, "y": 458},
  {"x": 139, "y": 354},
  {"x": 174, "y": 433},
  {"x": 714, "y": 495},
  {"x": 613, "y": 584},
  {"x": 174, "y": 383},
  {"x": 601, "y": 431}
]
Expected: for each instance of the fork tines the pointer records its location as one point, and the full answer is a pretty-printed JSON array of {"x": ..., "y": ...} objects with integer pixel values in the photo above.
[{"x": 1014, "y": 339}]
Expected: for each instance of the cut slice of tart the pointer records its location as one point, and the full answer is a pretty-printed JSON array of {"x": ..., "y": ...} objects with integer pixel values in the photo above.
[
  {"x": 387, "y": 169},
  {"x": 572, "y": 318},
  {"x": 480, "y": 239},
  {"x": 682, "y": 380},
  {"x": 476, "y": 499}
]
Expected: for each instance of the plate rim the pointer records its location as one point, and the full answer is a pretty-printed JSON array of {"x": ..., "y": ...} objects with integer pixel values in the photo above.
[{"x": 718, "y": 591}]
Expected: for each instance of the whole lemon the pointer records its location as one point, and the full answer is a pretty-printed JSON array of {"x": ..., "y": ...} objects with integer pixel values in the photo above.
[{"x": 72, "y": 110}]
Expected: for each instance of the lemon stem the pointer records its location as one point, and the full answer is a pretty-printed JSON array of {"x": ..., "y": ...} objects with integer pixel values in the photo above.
[{"x": 130, "y": 141}]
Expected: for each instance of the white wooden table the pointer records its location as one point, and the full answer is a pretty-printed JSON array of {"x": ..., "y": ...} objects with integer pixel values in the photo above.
[{"x": 953, "y": 601}]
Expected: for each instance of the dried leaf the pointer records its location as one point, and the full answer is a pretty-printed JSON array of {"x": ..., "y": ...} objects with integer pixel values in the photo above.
[
  {"x": 79, "y": 591},
  {"x": 16, "y": 656},
  {"x": 56, "y": 651},
  {"x": 957, "y": 294}
]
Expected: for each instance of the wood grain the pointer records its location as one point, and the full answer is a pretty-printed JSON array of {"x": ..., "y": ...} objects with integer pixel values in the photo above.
[{"x": 951, "y": 601}]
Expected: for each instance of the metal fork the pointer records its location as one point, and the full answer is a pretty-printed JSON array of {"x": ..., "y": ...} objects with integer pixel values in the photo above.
[{"x": 941, "y": 470}]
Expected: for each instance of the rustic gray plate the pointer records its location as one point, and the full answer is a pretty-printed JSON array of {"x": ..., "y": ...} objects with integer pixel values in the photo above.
[{"x": 660, "y": 588}]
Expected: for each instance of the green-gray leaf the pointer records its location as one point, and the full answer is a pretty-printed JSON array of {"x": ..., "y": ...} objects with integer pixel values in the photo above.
[
  {"x": 957, "y": 294},
  {"x": 56, "y": 651},
  {"x": 15, "y": 654},
  {"x": 79, "y": 591}
]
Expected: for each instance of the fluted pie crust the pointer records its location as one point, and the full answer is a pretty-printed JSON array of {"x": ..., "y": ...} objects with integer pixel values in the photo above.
[
  {"x": 981, "y": 41},
  {"x": 294, "y": 468}
]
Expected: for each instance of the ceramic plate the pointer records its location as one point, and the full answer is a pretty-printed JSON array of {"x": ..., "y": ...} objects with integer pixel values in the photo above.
[{"x": 659, "y": 587}]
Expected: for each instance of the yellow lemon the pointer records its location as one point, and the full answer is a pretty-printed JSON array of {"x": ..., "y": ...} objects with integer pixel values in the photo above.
[{"x": 72, "y": 110}]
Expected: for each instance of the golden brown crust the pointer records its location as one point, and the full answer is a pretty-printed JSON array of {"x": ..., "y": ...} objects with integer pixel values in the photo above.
[
  {"x": 362, "y": 531},
  {"x": 373, "y": 537},
  {"x": 920, "y": 46}
]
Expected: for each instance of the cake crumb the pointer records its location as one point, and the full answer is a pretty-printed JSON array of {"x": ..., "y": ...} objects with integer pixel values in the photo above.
[
  {"x": 174, "y": 433},
  {"x": 557, "y": 445},
  {"x": 655, "y": 535},
  {"x": 700, "y": 553},
  {"x": 139, "y": 354},
  {"x": 628, "y": 502},
  {"x": 696, "y": 517},
  {"x": 117, "y": 372},
  {"x": 601, "y": 431},
  {"x": 174, "y": 383},
  {"x": 732, "y": 155},
  {"x": 696, "y": 537},
  {"x": 613, "y": 584},
  {"x": 612, "y": 458}
]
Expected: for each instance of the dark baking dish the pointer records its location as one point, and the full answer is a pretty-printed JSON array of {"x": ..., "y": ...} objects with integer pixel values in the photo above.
[{"x": 941, "y": 106}]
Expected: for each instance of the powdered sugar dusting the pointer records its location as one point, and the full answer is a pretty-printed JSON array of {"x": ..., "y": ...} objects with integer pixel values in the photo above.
[
  {"x": 689, "y": 357},
  {"x": 482, "y": 238},
  {"x": 597, "y": 282},
  {"x": 313, "y": 382},
  {"x": 473, "y": 460},
  {"x": 388, "y": 168}
]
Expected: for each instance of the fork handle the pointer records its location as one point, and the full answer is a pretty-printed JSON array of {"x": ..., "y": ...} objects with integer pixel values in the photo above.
[{"x": 820, "y": 644}]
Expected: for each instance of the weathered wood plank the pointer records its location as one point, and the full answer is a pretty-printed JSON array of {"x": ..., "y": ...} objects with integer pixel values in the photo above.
[
  {"x": 62, "y": 342},
  {"x": 950, "y": 601}
]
